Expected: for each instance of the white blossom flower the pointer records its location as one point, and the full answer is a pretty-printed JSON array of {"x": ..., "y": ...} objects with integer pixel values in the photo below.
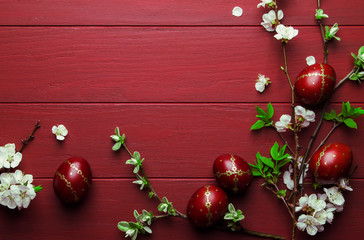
[
  {"x": 285, "y": 33},
  {"x": 22, "y": 195},
  {"x": 284, "y": 123},
  {"x": 304, "y": 116},
  {"x": 310, "y": 60},
  {"x": 264, "y": 2},
  {"x": 287, "y": 175},
  {"x": 9, "y": 158},
  {"x": 330, "y": 209},
  {"x": 335, "y": 196},
  {"x": 287, "y": 179},
  {"x": 23, "y": 179},
  {"x": 60, "y": 131},
  {"x": 261, "y": 82},
  {"x": 271, "y": 20},
  {"x": 344, "y": 184},
  {"x": 308, "y": 223},
  {"x": 310, "y": 204},
  {"x": 237, "y": 11}
]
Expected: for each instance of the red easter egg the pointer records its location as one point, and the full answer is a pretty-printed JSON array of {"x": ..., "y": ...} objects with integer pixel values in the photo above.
[
  {"x": 207, "y": 206},
  {"x": 330, "y": 162},
  {"x": 232, "y": 173},
  {"x": 315, "y": 83},
  {"x": 72, "y": 180}
]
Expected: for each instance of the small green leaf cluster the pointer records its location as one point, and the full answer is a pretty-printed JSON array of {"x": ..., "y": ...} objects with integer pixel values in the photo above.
[
  {"x": 233, "y": 216},
  {"x": 132, "y": 229},
  {"x": 358, "y": 74},
  {"x": 136, "y": 161},
  {"x": 346, "y": 115},
  {"x": 269, "y": 168},
  {"x": 265, "y": 118},
  {"x": 145, "y": 217},
  {"x": 38, "y": 188},
  {"x": 330, "y": 33},
  {"x": 119, "y": 140},
  {"x": 166, "y": 207},
  {"x": 320, "y": 14}
]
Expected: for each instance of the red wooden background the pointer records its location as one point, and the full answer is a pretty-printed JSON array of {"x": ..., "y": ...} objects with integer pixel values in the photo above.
[{"x": 178, "y": 78}]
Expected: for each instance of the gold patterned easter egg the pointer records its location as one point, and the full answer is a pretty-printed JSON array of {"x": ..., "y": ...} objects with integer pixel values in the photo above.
[{"x": 72, "y": 180}]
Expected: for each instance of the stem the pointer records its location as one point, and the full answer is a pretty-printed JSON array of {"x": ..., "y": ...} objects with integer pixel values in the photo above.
[
  {"x": 30, "y": 138},
  {"x": 150, "y": 186},
  {"x": 284, "y": 140},
  {"x": 241, "y": 229},
  {"x": 328, "y": 135},
  {"x": 324, "y": 41},
  {"x": 283, "y": 199},
  {"x": 295, "y": 158},
  {"x": 259, "y": 234}
]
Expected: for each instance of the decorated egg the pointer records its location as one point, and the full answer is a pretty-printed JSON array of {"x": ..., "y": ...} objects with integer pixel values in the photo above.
[
  {"x": 330, "y": 162},
  {"x": 315, "y": 83},
  {"x": 207, "y": 206},
  {"x": 232, "y": 173},
  {"x": 72, "y": 180}
]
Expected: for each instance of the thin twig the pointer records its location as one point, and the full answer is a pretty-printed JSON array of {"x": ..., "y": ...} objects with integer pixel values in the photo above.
[
  {"x": 30, "y": 138},
  {"x": 284, "y": 140}
]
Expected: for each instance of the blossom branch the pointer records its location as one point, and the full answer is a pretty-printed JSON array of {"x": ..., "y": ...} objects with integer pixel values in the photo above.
[
  {"x": 142, "y": 175},
  {"x": 30, "y": 138},
  {"x": 295, "y": 157}
]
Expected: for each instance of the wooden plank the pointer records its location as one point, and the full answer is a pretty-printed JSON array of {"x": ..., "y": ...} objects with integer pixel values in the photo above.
[
  {"x": 167, "y": 12},
  {"x": 177, "y": 140},
  {"x": 182, "y": 64},
  {"x": 111, "y": 201}
]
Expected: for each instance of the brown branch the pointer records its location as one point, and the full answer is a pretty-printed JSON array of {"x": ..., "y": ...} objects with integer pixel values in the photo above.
[{"x": 30, "y": 138}]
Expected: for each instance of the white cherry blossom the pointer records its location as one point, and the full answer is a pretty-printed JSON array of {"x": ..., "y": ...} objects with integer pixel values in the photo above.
[
  {"x": 264, "y": 2},
  {"x": 304, "y": 116},
  {"x": 310, "y": 60},
  {"x": 335, "y": 196},
  {"x": 261, "y": 82},
  {"x": 237, "y": 11},
  {"x": 60, "y": 131},
  {"x": 285, "y": 33},
  {"x": 271, "y": 20},
  {"x": 284, "y": 123},
  {"x": 344, "y": 184},
  {"x": 9, "y": 158},
  {"x": 308, "y": 223}
]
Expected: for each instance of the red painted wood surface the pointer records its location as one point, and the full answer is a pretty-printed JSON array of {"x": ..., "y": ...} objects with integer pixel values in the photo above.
[{"x": 178, "y": 78}]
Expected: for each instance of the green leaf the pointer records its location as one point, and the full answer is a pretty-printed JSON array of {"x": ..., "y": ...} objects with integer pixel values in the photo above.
[
  {"x": 136, "y": 155},
  {"x": 256, "y": 172},
  {"x": 151, "y": 194},
  {"x": 350, "y": 123},
  {"x": 117, "y": 131},
  {"x": 270, "y": 111},
  {"x": 260, "y": 111},
  {"x": 37, "y": 188},
  {"x": 257, "y": 125},
  {"x": 147, "y": 229},
  {"x": 281, "y": 193},
  {"x": 267, "y": 161},
  {"x": 123, "y": 226},
  {"x": 116, "y": 146},
  {"x": 284, "y": 162},
  {"x": 274, "y": 151}
]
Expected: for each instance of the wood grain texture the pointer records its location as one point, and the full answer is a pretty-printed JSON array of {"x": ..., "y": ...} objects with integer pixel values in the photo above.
[
  {"x": 167, "y": 12},
  {"x": 183, "y": 64},
  {"x": 111, "y": 201},
  {"x": 177, "y": 140},
  {"x": 178, "y": 78}
]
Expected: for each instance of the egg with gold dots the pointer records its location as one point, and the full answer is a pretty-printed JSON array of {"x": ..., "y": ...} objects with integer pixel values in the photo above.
[
  {"x": 331, "y": 162},
  {"x": 207, "y": 206}
]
